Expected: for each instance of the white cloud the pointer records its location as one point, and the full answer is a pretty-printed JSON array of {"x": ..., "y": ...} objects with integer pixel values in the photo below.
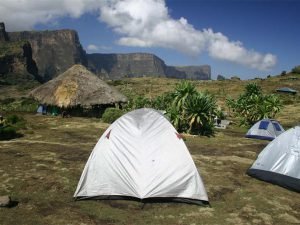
[
  {"x": 142, "y": 23},
  {"x": 96, "y": 48},
  {"x": 92, "y": 48}
]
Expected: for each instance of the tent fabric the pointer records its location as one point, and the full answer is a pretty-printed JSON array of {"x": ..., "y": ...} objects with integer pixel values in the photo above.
[
  {"x": 140, "y": 156},
  {"x": 279, "y": 162},
  {"x": 265, "y": 129},
  {"x": 287, "y": 90}
]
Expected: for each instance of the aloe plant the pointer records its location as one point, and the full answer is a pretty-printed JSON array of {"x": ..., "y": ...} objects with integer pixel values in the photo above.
[{"x": 200, "y": 110}]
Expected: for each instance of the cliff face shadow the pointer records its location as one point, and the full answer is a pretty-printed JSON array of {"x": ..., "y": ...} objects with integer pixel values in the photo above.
[{"x": 98, "y": 62}]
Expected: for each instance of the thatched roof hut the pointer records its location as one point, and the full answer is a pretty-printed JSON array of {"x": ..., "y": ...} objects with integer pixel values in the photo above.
[{"x": 77, "y": 87}]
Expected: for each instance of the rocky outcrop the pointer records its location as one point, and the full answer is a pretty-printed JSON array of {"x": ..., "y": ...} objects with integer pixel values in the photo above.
[
  {"x": 235, "y": 78},
  {"x": 118, "y": 66},
  {"x": 3, "y": 34},
  {"x": 53, "y": 51},
  {"x": 16, "y": 63},
  {"x": 195, "y": 72},
  {"x": 220, "y": 77}
]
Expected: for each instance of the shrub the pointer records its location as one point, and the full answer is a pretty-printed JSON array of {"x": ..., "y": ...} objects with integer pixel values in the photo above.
[
  {"x": 137, "y": 103},
  {"x": 18, "y": 105},
  {"x": 253, "y": 105},
  {"x": 162, "y": 102},
  {"x": 15, "y": 121},
  {"x": 192, "y": 111},
  {"x": 296, "y": 69},
  {"x": 7, "y": 133},
  {"x": 200, "y": 110},
  {"x": 283, "y": 73},
  {"x": 111, "y": 114}
]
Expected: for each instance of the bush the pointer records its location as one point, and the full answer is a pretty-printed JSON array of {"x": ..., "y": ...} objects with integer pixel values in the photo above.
[
  {"x": 200, "y": 111},
  {"x": 111, "y": 114},
  {"x": 7, "y": 133},
  {"x": 192, "y": 111},
  {"x": 137, "y": 103},
  {"x": 162, "y": 102},
  {"x": 15, "y": 121},
  {"x": 296, "y": 69},
  {"x": 18, "y": 105},
  {"x": 253, "y": 105}
]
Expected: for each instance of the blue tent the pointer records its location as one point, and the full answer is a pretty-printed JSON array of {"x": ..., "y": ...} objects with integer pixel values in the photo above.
[
  {"x": 265, "y": 129},
  {"x": 42, "y": 109}
]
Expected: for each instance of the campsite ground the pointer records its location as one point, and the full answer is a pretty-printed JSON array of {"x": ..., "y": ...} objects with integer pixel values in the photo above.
[{"x": 41, "y": 170}]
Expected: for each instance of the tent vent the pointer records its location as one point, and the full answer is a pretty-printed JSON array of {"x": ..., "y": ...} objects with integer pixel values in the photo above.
[
  {"x": 263, "y": 125},
  {"x": 179, "y": 136},
  {"x": 108, "y": 134},
  {"x": 277, "y": 127}
]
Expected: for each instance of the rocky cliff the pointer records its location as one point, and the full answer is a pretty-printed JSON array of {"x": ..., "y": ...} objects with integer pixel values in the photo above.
[
  {"x": 118, "y": 66},
  {"x": 16, "y": 63},
  {"x": 196, "y": 72},
  {"x": 53, "y": 51},
  {"x": 3, "y": 33}
]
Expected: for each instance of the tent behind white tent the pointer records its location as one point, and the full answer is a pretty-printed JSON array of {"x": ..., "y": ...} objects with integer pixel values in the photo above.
[
  {"x": 279, "y": 162},
  {"x": 141, "y": 156},
  {"x": 265, "y": 129},
  {"x": 40, "y": 109}
]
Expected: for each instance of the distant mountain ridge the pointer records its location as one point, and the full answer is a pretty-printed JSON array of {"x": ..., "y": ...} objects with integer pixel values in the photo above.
[
  {"x": 118, "y": 66},
  {"x": 56, "y": 51}
]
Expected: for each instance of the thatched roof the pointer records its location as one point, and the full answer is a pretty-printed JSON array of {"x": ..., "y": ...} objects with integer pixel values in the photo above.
[{"x": 77, "y": 86}]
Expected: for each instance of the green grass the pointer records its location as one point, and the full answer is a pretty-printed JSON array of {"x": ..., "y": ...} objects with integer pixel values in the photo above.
[{"x": 41, "y": 171}]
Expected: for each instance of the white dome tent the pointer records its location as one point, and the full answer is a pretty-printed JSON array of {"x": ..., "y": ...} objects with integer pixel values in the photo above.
[
  {"x": 141, "y": 156},
  {"x": 265, "y": 129},
  {"x": 279, "y": 162}
]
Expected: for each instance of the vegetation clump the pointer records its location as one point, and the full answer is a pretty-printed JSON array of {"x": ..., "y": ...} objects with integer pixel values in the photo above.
[
  {"x": 253, "y": 105},
  {"x": 296, "y": 69},
  {"x": 7, "y": 133},
  {"x": 9, "y": 127},
  {"x": 189, "y": 110},
  {"x": 192, "y": 111},
  {"x": 111, "y": 114},
  {"x": 18, "y": 105}
]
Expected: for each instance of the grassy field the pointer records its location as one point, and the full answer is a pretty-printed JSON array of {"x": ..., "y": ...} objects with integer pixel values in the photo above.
[{"x": 41, "y": 170}]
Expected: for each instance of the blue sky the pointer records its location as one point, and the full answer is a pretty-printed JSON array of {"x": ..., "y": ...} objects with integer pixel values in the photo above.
[{"x": 248, "y": 38}]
